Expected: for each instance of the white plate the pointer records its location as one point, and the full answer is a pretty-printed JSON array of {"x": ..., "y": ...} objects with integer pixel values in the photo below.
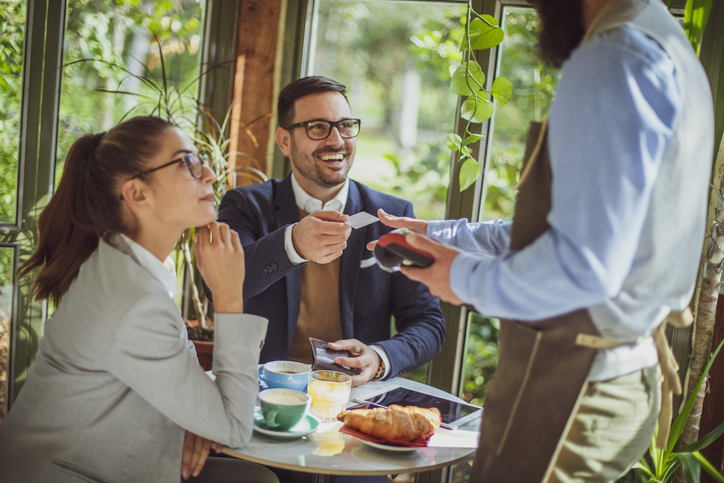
[{"x": 391, "y": 448}]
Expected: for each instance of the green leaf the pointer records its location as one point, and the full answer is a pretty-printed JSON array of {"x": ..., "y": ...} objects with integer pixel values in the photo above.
[
  {"x": 460, "y": 80},
  {"x": 672, "y": 467},
  {"x": 706, "y": 440},
  {"x": 477, "y": 113},
  {"x": 502, "y": 90},
  {"x": 453, "y": 142},
  {"x": 469, "y": 172},
  {"x": 691, "y": 467},
  {"x": 708, "y": 467},
  {"x": 696, "y": 16},
  {"x": 678, "y": 426},
  {"x": 484, "y": 36},
  {"x": 643, "y": 467},
  {"x": 473, "y": 138}
]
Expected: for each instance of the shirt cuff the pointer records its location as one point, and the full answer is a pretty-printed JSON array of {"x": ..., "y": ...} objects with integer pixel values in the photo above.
[
  {"x": 440, "y": 230},
  {"x": 289, "y": 247},
  {"x": 383, "y": 355}
]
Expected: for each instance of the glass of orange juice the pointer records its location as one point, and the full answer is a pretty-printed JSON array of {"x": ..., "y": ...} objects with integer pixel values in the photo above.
[{"x": 330, "y": 391}]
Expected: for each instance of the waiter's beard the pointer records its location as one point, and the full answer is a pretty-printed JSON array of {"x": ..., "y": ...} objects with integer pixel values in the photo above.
[{"x": 561, "y": 28}]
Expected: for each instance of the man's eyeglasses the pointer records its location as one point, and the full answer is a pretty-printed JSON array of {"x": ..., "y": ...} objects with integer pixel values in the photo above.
[
  {"x": 319, "y": 129},
  {"x": 194, "y": 163}
]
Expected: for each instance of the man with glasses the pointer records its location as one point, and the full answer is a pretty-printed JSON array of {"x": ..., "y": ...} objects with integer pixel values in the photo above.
[{"x": 310, "y": 273}]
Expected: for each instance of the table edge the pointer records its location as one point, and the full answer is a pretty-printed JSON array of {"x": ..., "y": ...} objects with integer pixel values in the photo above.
[{"x": 340, "y": 472}]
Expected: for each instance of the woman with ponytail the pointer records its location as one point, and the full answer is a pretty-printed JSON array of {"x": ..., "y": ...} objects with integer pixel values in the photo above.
[{"x": 115, "y": 393}]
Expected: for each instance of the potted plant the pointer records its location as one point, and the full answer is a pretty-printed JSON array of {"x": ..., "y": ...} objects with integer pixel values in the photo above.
[{"x": 210, "y": 138}]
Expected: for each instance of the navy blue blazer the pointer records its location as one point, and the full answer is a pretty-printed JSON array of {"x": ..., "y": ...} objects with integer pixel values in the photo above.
[{"x": 368, "y": 297}]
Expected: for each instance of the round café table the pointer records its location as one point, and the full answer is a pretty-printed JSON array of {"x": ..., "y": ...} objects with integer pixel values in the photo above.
[{"x": 329, "y": 452}]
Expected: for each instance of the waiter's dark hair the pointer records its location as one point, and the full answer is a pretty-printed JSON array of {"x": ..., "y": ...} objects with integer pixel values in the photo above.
[
  {"x": 304, "y": 87},
  {"x": 87, "y": 202}
]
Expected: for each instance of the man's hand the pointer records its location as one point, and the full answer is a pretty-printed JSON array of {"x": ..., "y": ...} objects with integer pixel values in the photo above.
[
  {"x": 437, "y": 275},
  {"x": 322, "y": 236},
  {"x": 195, "y": 452},
  {"x": 413, "y": 224},
  {"x": 363, "y": 358}
]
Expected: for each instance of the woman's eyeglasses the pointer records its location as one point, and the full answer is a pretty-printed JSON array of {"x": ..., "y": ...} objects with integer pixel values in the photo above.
[
  {"x": 194, "y": 163},
  {"x": 319, "y": 129}
]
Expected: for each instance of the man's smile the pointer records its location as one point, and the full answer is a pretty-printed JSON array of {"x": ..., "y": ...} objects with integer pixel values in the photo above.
[{"x": 333, "y": 160}]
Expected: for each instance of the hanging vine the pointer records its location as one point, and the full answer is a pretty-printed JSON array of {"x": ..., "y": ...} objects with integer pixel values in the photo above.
[{"x": 482, "y": 32}]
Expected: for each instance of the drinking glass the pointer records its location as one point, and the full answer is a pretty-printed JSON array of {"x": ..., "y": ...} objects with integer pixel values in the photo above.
[{"x": 330, "y": 391}]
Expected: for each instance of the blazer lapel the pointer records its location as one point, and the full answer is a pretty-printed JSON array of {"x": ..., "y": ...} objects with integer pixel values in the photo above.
[
  {"x": 349, "y": 264},
  {"x": 286, "y": 213}
]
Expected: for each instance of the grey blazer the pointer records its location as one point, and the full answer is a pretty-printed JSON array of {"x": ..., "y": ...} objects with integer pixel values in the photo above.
[{"x": 114, "y": 385}]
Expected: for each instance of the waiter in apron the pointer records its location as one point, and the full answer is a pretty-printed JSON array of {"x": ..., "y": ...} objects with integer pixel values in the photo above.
[{"x": 602, "y": 252}]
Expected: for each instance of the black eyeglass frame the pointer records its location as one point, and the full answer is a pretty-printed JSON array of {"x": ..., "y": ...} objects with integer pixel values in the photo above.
[
  {"x": 201, "y": 159},
  {"x": 332, "y": 124}
]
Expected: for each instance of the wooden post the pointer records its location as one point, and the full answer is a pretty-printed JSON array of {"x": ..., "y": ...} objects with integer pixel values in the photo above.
[{"x": 254, "y": 100}]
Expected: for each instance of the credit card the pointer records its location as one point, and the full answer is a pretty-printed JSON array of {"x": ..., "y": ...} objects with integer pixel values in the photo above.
[{"x": 361, "y": 219}]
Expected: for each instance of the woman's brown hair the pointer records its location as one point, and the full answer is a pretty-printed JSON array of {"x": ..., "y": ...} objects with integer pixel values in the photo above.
[{"x": 87, "y": 203}]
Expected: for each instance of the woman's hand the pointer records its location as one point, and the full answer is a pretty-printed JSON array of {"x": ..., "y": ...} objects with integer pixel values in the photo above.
[
  {"x": 220, "y": 259},
  {"x": 195, "y": 452}
]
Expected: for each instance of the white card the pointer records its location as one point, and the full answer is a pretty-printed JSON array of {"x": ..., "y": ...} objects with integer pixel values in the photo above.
[{"x": 361, "y": 219}]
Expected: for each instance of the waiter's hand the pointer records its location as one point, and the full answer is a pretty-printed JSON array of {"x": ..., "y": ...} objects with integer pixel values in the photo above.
[
  {"x": 322, "y": 236},
  {"x": 195, "y": 452},
  {"x": 437, "y": 275},
  {"x": 363, "y": 358},
  {"x": 412, "y": 224}
]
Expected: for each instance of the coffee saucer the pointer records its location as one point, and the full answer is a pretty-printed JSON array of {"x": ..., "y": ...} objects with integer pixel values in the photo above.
[{"x": 306, "y": 426}]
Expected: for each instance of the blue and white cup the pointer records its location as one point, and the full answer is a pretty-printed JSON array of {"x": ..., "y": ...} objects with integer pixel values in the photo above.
[{"x": 287, "y": 375}]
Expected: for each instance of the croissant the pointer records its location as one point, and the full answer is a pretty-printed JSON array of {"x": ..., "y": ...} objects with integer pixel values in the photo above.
[{"x": 396, "y": 422}]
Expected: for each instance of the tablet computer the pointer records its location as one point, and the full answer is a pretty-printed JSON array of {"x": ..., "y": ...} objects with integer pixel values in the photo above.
[{"x": 454, "y": 413}]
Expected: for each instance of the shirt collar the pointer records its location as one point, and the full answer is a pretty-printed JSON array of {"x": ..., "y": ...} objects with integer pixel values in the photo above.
[
  {"x": 163, "y": 272},
  {"x": 307, "y": 203}
]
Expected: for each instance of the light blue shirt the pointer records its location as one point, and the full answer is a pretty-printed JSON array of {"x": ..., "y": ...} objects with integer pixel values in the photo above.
[{"x": 614, "y": 111}]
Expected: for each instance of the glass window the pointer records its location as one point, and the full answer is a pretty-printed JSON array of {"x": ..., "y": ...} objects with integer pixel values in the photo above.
[
  {"x": 127, "y": 41},
  {"x": 7, "y": 266},
  {"x": 12, "y": 25},
  {"x": 394, "y": 59},
  {"x": 534, "y": 84}
]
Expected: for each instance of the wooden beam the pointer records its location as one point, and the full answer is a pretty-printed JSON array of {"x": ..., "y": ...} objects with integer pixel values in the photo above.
[{"x": 254, "y": 86}]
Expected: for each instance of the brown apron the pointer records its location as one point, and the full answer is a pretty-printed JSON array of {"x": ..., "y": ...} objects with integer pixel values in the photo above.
[{"x": 541, "y": 371}]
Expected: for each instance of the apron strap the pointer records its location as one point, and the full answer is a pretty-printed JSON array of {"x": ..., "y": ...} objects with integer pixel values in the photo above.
[{"x": 670, "y": 383}]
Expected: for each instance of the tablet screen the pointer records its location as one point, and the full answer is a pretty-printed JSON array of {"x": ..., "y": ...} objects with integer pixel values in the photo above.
[{"x": 450, "y": 410}]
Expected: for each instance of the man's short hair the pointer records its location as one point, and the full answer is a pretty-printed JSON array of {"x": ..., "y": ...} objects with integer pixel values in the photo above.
[{"x": 304, "y": 87}]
